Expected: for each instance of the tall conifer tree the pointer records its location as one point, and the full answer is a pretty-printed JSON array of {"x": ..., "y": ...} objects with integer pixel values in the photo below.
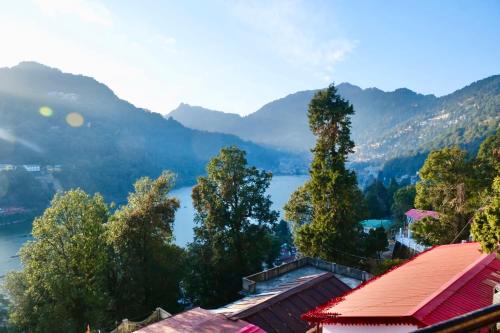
[{"x": 331, "y": 194}]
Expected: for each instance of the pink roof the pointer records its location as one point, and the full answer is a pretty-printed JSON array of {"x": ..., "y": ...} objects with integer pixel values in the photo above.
[
  {"x": 418, "y": 214},
  {"x": 200, "y": 321},
  {"x": 441, "y": 283}
]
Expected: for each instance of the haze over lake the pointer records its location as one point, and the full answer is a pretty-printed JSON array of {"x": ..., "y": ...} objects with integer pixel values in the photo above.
[{"x": 13, "y": 236}]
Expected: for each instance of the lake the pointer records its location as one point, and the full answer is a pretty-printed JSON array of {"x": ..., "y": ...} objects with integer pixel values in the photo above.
[{"x": 13, "y": 236}]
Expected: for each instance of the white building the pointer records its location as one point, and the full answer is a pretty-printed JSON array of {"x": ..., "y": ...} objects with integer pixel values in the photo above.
[
  {"x": 404, "y": 236},
  {"x": 32, "y": 167}
]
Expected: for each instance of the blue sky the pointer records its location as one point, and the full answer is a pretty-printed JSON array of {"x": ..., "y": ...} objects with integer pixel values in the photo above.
[{"x": 235, "y": 56}]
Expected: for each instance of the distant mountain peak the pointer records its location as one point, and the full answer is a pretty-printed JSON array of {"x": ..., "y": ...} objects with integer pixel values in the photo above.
[{"x": 34, "y": 66}]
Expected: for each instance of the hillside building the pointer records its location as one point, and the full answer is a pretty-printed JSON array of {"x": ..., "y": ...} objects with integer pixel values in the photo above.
[
  {"x": 439, "y": 284},
  {"x": 404, "y": 236}
]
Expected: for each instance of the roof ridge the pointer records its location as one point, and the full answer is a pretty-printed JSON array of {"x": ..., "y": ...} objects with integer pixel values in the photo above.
[
  {"x": 460, "y": 279},
  {"x": 286, "y": 293},
  {"x": 315, "y": 316}
]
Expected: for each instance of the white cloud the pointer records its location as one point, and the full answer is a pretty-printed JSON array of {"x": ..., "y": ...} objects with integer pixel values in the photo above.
[
  {"x": 85, "y": 10},
  {"x": 292, "y": 31}
]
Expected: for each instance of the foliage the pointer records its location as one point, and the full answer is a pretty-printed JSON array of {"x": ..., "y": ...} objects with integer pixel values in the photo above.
[
  {"x": 429, "y": 231},
  {"x": 447, "y": 186},
  {"x": 147, "y": 265},
  {"x": 233, "y": 234},
  {"x": 488, "y": 160},
  {"x": 376, "y": 242},
  {"x": 21, "y": 189},
  {"x": 403, "y": 200},
  {"x": 325, "y": 211},
  {"x": 62, "y": 286},
  {"x": 299, "y": 209},
  {"x": 383, "y": 266},
  {"x": 281, "y": 232},
  {"x": 486, "y": 223},
  {"x": 378, "y": 200}
]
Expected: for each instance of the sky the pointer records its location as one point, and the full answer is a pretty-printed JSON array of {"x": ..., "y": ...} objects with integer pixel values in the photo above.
[{"x": 235, "y": 56}]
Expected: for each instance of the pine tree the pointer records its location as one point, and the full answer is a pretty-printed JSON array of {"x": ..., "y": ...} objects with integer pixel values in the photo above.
[{"x": 331, "y": 199}]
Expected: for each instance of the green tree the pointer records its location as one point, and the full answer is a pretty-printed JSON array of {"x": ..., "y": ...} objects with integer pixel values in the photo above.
[
  {"x": 282, "y": 232},
  {"x": 325, "y": 211},
  {"x": 486, "y": 223},
  {"x": 376, "y": 242},
  {"x": 377, "y": 200},
  {"x": 447, "y": 186},
  {"x": 299, "y": 209},
  {"x": 430, "y": 231},
  {"x": 233, "y": 235},
  {"x": 488, "y": 161},
  {"x": 391, "y": 190},
  {"x": 148, "y": 267},
  {"x": 62, "y": 286},
  {"x": 403, "y": 200}
]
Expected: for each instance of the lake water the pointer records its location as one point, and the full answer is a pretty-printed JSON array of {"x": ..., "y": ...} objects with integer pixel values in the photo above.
[{"x": 13, "y": 236}]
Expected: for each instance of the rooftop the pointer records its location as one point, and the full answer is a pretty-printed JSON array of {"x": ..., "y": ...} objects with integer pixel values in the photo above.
[
  {"x": 441, "y": 283},
  {"x": 276, "y": 298},
  {"x": 200, "y": 321},
  {"x": 386, "y": 224},
  {"x": 418, "y": 214}
]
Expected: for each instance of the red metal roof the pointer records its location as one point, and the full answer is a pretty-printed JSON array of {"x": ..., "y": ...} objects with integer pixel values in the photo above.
[
  {"x": 200, "y": 321},
  {"x": 418, "y": 214},
  {"x": 281, "y": 312},
  {"x": 436, "y": 285}
]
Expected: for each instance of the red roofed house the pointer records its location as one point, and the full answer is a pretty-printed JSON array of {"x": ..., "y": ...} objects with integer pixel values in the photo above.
[
  {"x": 404, "y": 236},
  {"x": 441, "y": 283}
]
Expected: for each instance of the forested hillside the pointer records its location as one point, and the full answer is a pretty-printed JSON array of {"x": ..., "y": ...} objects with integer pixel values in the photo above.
[
  {"x": 385, "y": 125},
  {"x": 101, "y": 142},
  {"x": 392, "y": 130}
]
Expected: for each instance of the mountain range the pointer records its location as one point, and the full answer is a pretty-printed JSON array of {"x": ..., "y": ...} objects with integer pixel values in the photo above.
[
  {"x": 386, "y": 125},
  {"x": 103, "y": 143}
]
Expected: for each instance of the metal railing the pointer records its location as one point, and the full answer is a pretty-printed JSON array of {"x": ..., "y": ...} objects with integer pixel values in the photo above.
[{"x": 250, "y": 282}]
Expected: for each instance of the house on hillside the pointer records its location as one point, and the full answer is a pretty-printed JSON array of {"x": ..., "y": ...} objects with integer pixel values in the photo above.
[
  {"x": 439, "y": 284},
  {"x": 7, "y": 167},
  {"x": 404, "y": 237},
  {"x": 32, "y": 167}
]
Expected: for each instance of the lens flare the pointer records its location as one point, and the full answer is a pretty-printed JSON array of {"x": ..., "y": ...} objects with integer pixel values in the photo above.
[
  {"x": 74, "y": 119},
  {"x": 46, "y": 111}
]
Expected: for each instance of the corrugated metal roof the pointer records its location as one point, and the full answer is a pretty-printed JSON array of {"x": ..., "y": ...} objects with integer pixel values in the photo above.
[
  {"x": 279, "y": 309},
  {"x": 200, "y": 321},
  {"x": 472, "y": 292},
  {"x": 443, "y": 282}
]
